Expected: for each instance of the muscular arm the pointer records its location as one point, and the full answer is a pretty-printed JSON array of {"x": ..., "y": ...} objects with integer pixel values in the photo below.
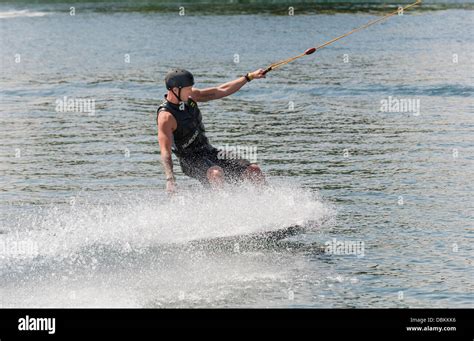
[
  {"x": 166, "y": 125},
  {"x": 223, "y": 90}
]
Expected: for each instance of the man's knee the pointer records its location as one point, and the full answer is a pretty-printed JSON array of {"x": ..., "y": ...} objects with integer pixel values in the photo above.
[
  {"x": 254, "y": 174},
  {"x": 254, "y": 169},
  {"x": 215, "y": 172}
]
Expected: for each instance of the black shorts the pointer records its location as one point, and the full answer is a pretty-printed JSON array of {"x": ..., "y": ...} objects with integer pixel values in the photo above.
[{"x": 197, "y": 164}]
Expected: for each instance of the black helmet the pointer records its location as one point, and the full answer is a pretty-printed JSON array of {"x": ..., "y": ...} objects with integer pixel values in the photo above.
[{"x": 178, "y": 78}]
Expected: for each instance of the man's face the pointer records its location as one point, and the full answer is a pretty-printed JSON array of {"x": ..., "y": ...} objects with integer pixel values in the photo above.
[{"x": 185, "y": 92}]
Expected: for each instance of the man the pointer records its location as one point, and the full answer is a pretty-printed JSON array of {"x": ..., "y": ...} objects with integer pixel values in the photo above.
[{"x": 181, "y": 131}]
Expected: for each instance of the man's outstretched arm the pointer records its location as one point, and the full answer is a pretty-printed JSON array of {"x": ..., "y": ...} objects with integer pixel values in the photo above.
[{"x": 225, "y": 89}]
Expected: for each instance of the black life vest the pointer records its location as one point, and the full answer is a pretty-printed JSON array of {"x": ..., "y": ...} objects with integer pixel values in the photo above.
[{"x": 189, "y": 136}]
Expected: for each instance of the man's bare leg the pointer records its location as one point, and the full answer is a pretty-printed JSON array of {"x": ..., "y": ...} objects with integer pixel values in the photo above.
[
  {"x": 215, "y": 175},
  {"x": 254, "y": 174}
]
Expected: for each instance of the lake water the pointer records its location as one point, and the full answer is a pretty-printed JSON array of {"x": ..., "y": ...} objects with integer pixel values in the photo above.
[{"x": 85, "y": 221}]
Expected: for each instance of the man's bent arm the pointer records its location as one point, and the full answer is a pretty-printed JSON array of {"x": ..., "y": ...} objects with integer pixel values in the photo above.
[{"x": 165, "y": 138}]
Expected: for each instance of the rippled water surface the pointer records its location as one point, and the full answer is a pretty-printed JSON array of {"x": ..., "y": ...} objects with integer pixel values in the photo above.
[{"x": 84, "y": 218}]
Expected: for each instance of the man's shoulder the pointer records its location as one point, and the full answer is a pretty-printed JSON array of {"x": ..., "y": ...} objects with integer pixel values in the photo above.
[
  {"x": 165, "y": 115},
  {"x": 166, "y": 120}
]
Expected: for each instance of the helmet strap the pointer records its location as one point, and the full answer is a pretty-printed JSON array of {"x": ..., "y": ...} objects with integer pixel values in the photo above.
[{"x": 178, "y": 96}]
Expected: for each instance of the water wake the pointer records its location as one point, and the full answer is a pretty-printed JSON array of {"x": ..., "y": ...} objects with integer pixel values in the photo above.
[
  {"x": 20, "y": 14},
  {"x": 125, "y": 222},
  {"x": 139, "y": 249}
]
